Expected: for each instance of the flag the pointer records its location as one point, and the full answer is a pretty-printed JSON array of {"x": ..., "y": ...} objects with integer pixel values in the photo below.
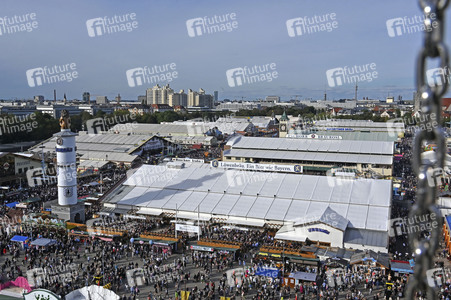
[{"x": 185, "y": 295}]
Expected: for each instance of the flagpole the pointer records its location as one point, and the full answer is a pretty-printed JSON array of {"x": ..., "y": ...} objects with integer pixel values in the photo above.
[
  {"x": 176, "y": 220},
  {"x": 198, "y": 223}
]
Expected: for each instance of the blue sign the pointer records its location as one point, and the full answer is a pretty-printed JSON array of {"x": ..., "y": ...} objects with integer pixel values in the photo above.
[
  {"x": 63, "y": 149},
  {"x": 297, "y": 168},
  {"x": 318, "y": 230},
  {"x": 268, "y": 272},
  {"x": 215, "y": 163}
]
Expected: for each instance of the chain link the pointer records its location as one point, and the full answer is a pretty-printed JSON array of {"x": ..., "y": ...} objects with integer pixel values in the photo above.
[{"x": 431, "y": 131}]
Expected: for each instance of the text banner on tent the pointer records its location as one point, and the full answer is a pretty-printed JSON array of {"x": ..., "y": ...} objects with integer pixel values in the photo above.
[
  {"x": 314, "y": 136},
  {"x": 187, "y": 228},
  {"x": 257, "y": 167}
]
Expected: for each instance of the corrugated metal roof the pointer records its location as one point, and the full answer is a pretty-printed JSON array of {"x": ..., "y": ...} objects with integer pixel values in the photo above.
[
  {"x": 111, "y": 147},
  {"x": 311, "y": 156},
  {"x": 187, "y": 128},
  {"x": 358, "y": 123},
  {"x": 380, "y": 136},
  {"x": 312, "y": 145},
  {"x": 366, "y": 237}
]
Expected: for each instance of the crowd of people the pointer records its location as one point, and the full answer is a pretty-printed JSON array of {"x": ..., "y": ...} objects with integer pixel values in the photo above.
[{"x": 78, "y": 261}]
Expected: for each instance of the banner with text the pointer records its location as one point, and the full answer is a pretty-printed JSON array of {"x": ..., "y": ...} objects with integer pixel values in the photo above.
[
  {"x": 187, "y": 228},
  {"x": 257, "y": 167},
  {"x": 314, "y": 136}
]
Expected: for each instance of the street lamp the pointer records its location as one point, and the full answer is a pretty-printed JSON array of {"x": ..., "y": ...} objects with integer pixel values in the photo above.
[{"x": 283, "y": 261}]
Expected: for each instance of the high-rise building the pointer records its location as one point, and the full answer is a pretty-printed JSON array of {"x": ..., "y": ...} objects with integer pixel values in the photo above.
[
  {"x": 180, "y": 98},
  {"x": 87, "y": 97},
  {"x": 199, "y": 99},
  {"x": 158, "y": 95},
  {"x": 102, "y": 100},
  {"x": 216, "y": 95},
  {"x": 118, "y": 99}
]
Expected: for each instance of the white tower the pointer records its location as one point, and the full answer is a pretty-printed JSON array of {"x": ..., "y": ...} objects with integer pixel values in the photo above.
[{"x": 66, "y": 162}]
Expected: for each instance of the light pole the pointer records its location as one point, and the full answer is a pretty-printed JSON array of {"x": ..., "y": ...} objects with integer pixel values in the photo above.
[
  {"x": 101, "y": 182},
  {"x": 44, "y": 175},
  {"x": 283, "y": 262}
]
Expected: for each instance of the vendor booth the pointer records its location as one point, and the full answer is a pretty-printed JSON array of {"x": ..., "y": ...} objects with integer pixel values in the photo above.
[
  {"x": 43, "y": 242},
  {"x": 298, "y": 278},
  {"x": 22, "y": 240}
]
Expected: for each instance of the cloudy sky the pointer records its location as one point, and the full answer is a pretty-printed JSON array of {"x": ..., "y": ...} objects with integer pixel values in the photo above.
[{"x": 301, "y": 57}]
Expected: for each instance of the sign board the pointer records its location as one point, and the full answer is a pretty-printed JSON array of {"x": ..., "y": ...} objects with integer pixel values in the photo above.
[
  {"x": 339, "y": 129},
  {"x": 188, "y": 159},
  {"x": 314, "y": 136},
  {"x": 41, "y": 294},
  {"x": 345, "y": 174},
  {"x": 201, "y": 248},
  {"x": 257, "y": 167},
  {"x": 187, "y": 228},
  {"x": 268, "y": 272}
]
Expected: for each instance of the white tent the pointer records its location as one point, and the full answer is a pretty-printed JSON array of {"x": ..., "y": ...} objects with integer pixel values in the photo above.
[{"x": 92, "y": 292}]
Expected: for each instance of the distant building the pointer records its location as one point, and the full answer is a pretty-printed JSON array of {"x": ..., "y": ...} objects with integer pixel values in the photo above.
[
  {"x": 158, "y": 95},
  {"x": 101, "y": 100},
  {"x": 178, "y": 99},
  {"x": 236, "y": 106},
  {"x": 161, "y": 108},
  {"x": 142, "y": 99},
  {"x": 275, "y": 99},
  {"x": 390, "y": 99},
  {"x": 216, "y": 95},
  {"x": 38, "y": 99},
  {"x": 87, "y": 97},
  {"x": 179, "y": 108},
  {"x": 139, "y": 109},
  {"x": 55, "y": 110},
  {"x": 199, "y": 99},
  {"x": 118, "y": 99}
]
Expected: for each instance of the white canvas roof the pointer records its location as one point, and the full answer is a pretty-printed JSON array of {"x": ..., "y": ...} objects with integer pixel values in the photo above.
[{"x": 365, "y": 203}]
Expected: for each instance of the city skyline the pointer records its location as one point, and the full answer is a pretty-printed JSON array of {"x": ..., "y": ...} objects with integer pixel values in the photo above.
[{"x": 251, "y": 50}]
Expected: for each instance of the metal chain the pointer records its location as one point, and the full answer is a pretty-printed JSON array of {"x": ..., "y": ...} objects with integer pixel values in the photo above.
[{"x": 431, "y": 131}]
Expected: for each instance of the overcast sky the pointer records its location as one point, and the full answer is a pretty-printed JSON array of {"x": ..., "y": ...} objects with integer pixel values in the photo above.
[{"x": 261, "y": 37}]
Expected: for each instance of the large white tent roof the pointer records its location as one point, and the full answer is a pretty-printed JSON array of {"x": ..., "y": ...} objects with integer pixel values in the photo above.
[{"x": 258, "y": 195}]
